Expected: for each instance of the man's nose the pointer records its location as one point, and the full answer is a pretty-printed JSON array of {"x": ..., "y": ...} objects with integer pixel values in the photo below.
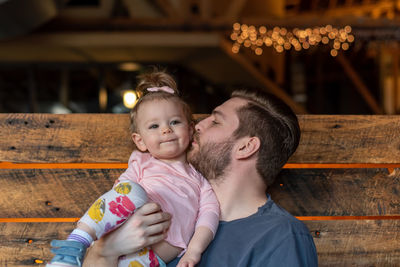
[
  {"x": 200, "y": 125},
  {"x": 197, "y": 126}
]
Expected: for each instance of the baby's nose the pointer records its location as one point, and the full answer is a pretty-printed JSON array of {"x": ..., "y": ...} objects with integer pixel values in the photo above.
[{"x": 166, "y": 130}]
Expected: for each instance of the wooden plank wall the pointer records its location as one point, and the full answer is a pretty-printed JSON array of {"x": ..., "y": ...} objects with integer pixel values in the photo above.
[{"x": 343, "y": 182}]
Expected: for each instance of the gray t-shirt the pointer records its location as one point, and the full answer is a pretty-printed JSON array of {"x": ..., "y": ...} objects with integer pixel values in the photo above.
[{"x": 270, "y": 237}]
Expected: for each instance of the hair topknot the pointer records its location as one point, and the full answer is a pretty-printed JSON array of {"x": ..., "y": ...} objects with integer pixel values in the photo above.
[{"x": 155, "y": 79}]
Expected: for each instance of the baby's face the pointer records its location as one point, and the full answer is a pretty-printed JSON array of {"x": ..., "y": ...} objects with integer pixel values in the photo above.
[{"x": 163, "y": 130}]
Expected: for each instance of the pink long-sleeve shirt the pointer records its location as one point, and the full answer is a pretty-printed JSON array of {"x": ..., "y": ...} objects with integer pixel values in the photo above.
[{"x": 180, "y": 190}]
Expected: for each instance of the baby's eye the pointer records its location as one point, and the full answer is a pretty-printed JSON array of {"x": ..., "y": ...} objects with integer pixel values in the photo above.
[
  {"x": 153, "y": 126},
  {"x": 214, "y": 122},
  {"x": 174, "y": 122}
]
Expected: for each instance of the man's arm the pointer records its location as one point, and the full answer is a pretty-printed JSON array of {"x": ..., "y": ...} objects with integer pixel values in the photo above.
[{"x": 147, "y": 226}]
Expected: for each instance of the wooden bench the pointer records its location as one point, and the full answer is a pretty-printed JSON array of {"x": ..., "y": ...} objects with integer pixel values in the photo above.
[{"x": 343, "y": 182}]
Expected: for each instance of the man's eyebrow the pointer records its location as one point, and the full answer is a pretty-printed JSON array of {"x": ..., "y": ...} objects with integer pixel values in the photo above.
[{"x": 217, "y": 113}]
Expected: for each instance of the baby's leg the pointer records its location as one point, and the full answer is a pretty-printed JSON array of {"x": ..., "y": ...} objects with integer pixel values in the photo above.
[
  {"x": 112, "y": 209},
  {"x": 108, "y": 212},
  {"x": 157, "y": 255},
  {"x": 166, "y": 251}
]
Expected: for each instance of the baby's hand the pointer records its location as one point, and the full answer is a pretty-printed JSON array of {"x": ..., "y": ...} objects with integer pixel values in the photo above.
[{"x": 189, "y": 259}]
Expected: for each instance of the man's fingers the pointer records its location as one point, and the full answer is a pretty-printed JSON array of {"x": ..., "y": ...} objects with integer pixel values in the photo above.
[
  {"x": 156, "y": 218},
  {"x": 148, "y": 208},
  {"x": 159, "y": 228},
  {"x": 151, "y": 240}
]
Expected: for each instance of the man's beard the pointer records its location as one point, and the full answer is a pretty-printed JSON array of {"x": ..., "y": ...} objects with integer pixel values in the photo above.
[{"x": 212, "y": 159}]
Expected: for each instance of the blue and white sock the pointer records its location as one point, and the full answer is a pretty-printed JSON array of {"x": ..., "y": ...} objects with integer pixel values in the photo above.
[{"x": 81, "y": 237}]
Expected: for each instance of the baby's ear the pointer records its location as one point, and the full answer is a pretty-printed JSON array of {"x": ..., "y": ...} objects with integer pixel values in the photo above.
[{"x": 138, "y": 140}]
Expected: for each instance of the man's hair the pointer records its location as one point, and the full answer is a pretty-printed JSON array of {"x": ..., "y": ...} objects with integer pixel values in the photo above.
[{"x": 274, "y": 123}]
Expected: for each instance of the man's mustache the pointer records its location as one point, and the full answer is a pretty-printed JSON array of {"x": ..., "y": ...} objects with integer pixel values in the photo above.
[{"x": 196, "y": 137}]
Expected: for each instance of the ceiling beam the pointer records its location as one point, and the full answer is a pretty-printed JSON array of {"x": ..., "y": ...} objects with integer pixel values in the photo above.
[
  {"x": 141, "y": 9},
  {"x": 168, "y": 9},
  {"x": 332, "y": 4},
  {"x": 234, "y": 9},
  {"x": 352, "y": 9},
  {"x": 212, "y": 24},
  {"x": 206, "y": 9},
  {"x": 119, "y": 39},
  {"x": 103, "y": 10}
]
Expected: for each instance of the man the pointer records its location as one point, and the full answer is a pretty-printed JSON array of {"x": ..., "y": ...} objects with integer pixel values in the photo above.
[{"x": 240, "y": 149}]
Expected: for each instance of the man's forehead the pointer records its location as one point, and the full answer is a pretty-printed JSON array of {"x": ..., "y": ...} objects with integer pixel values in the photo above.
[{"x": 231, "y": 104}]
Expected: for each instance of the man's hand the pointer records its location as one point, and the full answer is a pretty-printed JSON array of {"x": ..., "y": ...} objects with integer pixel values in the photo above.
[{"x": 147, "y": 226}]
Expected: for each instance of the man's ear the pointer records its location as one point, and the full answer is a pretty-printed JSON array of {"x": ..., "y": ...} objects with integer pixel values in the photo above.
[
  {"x": 247, "y": 146},
  {"x": 138, "y": 140}
]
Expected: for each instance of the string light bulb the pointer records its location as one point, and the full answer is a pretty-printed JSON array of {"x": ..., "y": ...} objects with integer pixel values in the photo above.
[{"x": 283, "y": 39}]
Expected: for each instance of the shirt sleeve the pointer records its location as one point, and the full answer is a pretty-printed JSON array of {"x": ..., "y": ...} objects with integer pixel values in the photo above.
[
  {"x": 294, "y": 250},
  {"x": 134, "y": 172},
  {"x": 208, "y": 214}
]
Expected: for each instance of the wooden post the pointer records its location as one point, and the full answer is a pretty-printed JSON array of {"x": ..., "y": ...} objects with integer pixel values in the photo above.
[{"x": 395, "y": 65}]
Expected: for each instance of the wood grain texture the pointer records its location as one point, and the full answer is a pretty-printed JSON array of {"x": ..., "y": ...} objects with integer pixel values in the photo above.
[
  {"x": 303, "y": 192},
  {"x": 65, "y": 138},
  {"x": 105, "y": 138},
  {"x": 52, "y": 193},
  {"x": 338, "y": 192},
  {"x": 356, "y": 243},
  {"x": 348, "y": 139},
  {"x": 23, "y": 243},
  {"x": 339, "y": 243}
]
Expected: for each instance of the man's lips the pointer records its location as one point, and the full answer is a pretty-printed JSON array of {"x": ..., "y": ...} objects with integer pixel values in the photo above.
[{"x": 195, "y": 139}]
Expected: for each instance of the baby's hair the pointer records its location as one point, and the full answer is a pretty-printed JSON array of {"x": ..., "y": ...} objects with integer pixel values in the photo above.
[{"x": 157, "y": 79}]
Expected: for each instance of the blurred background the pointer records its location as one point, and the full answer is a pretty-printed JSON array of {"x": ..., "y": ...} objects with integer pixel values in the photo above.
[{"x": 83, "y": 56}]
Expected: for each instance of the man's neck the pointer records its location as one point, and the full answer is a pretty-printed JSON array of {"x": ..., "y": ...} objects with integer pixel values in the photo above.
[{"x": 238, "y": 197}]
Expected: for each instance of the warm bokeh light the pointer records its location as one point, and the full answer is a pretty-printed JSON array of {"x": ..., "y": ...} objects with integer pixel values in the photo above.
[
  {"x": 103, "y": 98},
  {"x": 236, "y": 26},
  {"x": 129, "y": 66},
  {"x": 130, "y": 99},
  {"x": 282, "y": 38}
]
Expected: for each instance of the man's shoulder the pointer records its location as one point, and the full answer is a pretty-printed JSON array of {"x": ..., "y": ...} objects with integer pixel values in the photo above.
[{"x": 280, "y": 219}]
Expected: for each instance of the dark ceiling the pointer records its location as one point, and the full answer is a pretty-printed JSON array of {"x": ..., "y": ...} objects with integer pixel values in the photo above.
[{"x": 66, "y": 52}]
